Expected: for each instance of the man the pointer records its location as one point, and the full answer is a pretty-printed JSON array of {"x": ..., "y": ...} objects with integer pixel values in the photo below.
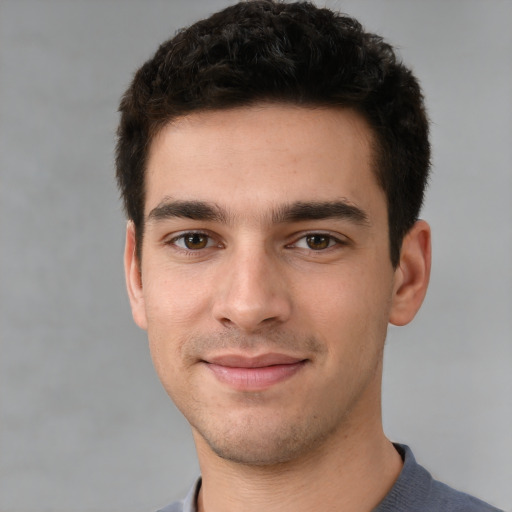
[{"x": 272, "y": 160}]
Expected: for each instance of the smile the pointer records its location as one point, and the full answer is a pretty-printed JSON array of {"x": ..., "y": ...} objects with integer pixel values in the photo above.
[{"x": 254, "y": 374}]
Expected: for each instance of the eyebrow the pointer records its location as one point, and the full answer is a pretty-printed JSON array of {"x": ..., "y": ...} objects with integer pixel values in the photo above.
[
  {"x": 318, "y": 210},
  {"x": 195, "y": 210},
  {"x": 293, "y": 212}
]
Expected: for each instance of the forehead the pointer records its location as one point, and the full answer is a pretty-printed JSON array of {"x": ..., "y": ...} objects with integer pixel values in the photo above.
[{"x": 252, "y": 157}]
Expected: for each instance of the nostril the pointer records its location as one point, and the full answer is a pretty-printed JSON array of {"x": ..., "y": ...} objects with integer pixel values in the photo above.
[{"x": 226, "y": 322}]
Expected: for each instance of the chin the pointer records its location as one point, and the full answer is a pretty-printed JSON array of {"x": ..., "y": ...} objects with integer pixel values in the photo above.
[
  {"x": 269, "y": 454},
  {"x": 261, "y": 442}
]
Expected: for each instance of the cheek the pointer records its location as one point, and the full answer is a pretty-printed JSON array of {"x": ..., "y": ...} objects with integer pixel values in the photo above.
[
  {"x": 173, "y": 307},
  {"x": 173, "y": 298},
  {"x": 350, "y": 309}
]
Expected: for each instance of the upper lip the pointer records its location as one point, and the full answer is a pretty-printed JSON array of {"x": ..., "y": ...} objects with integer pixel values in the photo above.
[{"x": 244, "y": 361}]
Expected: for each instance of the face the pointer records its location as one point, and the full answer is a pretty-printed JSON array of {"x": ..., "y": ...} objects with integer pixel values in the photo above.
[{"x": 265, "y": 283}]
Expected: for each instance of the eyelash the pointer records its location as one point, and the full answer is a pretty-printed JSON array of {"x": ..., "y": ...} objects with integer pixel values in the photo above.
[
  {"x": 174, "y": 242},
  {"x": 332, "y": 241}
]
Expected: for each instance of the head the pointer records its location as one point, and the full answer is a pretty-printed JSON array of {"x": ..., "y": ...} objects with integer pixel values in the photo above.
[
  {"x": 272, "y": 160},
  {"x": 263, "y": 51}
]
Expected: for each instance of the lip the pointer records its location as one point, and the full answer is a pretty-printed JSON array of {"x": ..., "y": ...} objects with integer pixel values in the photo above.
[{"x": 257, "y": 373}]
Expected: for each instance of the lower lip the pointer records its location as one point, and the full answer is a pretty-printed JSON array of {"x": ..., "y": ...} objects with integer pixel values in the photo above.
[{"x": 254, "y": 379}]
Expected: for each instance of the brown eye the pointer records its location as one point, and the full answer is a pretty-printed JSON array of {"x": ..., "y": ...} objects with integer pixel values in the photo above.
[
  {"x": 195, "y": 241},
  {"x": 318, "y": 242}
]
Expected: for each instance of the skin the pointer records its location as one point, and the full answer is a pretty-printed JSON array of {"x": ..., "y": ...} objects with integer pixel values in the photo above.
[{"x": 235, "y": 268}]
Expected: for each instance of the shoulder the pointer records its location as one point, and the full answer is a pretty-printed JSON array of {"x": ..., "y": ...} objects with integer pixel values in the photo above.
[
  {"x": 188, "y": 504},
  {"x": 416, "y": 491},
  {"x": 446, "y": 498},
  {"x": 177, "y": 506}
]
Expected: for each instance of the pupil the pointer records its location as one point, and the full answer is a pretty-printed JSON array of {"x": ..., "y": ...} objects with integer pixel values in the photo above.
[
  {"x": 195, "y": 241},
  {"x": 318, "y": 242}
]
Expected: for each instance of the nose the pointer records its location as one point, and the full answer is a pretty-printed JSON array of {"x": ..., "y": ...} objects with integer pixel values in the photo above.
[{"x": 252, "y": 291}]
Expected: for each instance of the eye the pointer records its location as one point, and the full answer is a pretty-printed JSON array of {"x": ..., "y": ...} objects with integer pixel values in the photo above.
[
  {"x": 316, "y": 242},
  {"x": 193, "y": 241}
]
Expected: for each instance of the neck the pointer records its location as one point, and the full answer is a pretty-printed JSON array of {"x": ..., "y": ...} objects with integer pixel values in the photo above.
[{"x": 352, "y": 473}]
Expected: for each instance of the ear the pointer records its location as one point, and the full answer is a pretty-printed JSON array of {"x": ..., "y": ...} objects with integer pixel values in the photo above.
[
  {"x": 133, "y": 277},
  {"x": 412, "y": 274}
]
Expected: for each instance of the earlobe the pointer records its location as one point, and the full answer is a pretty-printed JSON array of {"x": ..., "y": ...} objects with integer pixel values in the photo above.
[
  {"x": 412, "y": 274},
  {"x": 134, "y": 278}
]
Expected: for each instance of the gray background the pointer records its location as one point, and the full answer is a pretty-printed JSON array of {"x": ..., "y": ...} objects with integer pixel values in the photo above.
[{"x": 84, "y": 424}]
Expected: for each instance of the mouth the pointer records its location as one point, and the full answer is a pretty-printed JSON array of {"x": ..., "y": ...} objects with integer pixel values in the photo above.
[{"x": 254, "y": 373}]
